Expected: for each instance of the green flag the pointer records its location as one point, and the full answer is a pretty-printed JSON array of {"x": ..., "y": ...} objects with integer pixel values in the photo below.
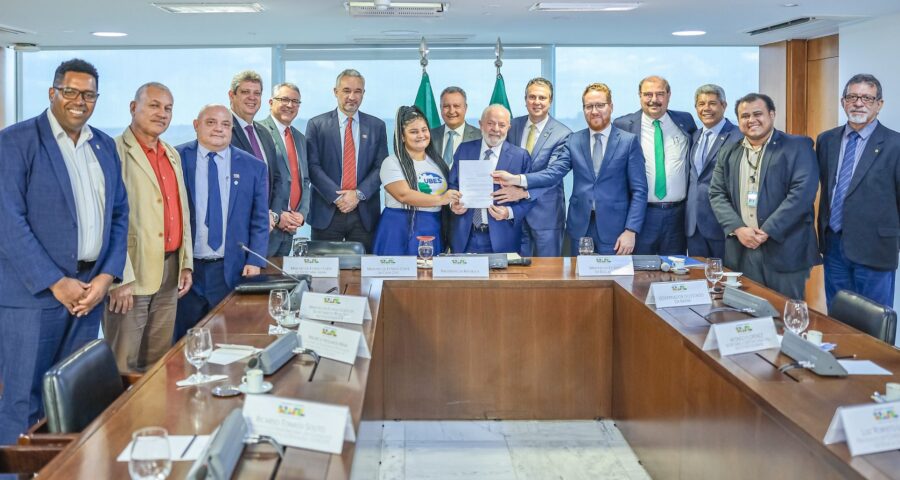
[
  {"x": 499, "y": 95},
  {"x": 425, "y": 102}
]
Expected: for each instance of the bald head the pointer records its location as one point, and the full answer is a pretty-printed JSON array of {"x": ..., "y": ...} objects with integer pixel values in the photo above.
[
  {"x": 213, "y": 127},
  {"x": 494, "y": 124}
]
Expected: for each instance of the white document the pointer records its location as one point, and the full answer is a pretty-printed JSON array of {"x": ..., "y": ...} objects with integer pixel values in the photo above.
[
  {"x": 225, "y": 355},
  {"x": 742, "y": 336},
  {"x": 604, "y": 265},
  {"x": 330, "y": 341},
  {"x": 678, "y": 294},
  {"x": 870, "y": 428},
  {"x": 468, "y": 266},
  {"x": 475, "y": 183},
  {"x": 388, "y": 267},
  {"x": 863, "y": 367},
  {"x": 181, "y": 447},
  {"x": 300, "y": 423},
  {"x": 315, "y": 266},
  {"x": 334, "y": 308}
]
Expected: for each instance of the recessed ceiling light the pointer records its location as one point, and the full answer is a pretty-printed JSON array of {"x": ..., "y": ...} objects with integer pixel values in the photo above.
[
  {"x": 109, "y": 34},
  {"x": 582, "y": 7},
  {"x": 209, "y": 7},
  {"x": 689, "y": 33},
  {"x": 399, "y": 32},
  {"x": 790, "y": 5}
]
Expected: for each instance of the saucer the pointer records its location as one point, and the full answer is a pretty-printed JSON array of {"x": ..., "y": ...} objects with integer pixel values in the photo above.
[
  {"x": 734, "y": 285},
  {"x": 680, "y": 271},
  {"x": 266, "y": 387}
]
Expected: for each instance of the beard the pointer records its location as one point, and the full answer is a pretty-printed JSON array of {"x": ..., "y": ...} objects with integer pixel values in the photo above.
[{"x": 858, "y": 117}]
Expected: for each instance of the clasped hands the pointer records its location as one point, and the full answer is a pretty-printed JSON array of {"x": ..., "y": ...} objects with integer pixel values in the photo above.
[
  {"x": 750, "y": 237},
  {"x": 79, "y": 297},
  {"x": 347, "y": 200}
]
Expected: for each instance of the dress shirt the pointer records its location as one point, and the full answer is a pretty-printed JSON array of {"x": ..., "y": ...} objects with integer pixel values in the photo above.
[
  {"x": 167, "y": 184},
  {"x": 716, "y": 129},
  {"x": 676, "y": 144},
  {"x": 88, "y": 187},
  {"x": 459, "y": 135},
  {"x": 864, "y": 135},
  {"x": 523, "y": 181},
  {"x": 540, "y": 128},
  {"x": 201, "y": 199},
  {"x": 342, "y": 125},
  {"x": 751, "y": 154},
  {"x": 494, "y": 158},
  {"x": 243, "y": 126}
]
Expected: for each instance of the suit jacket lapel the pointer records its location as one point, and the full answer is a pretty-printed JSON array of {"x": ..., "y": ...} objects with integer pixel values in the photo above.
[
  {"x": 586, "y": 151},
  {"x": 734, "y": 159},
  {"x": 136, "y": 155},
  {"x": 238, "y": 133},
  {"x": 338, "y": 130},
  {"x": 772, "y": 154},
  {"x": 833, "y": 145},
  {"x": 873, "y": 147},
  {"x": 542, "y": 138},
  {"x": 503, "y": 161},
  {"x": 362, "y": 148},
  {"x": 235, "y": 179},
  {"x": 57, "y": 162},
  {"x": 610, "y": 153}
]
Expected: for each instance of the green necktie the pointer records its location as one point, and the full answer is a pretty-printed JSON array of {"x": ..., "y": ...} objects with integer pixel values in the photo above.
[{"x": 660, "y": 154}]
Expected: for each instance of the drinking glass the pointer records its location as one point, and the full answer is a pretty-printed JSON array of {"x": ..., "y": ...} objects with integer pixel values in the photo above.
[
  {"x": 279, "y": 305},
  {"x": 796, "y": 315},
  {"x": 713, "y": 271},
  {"x": 585, "y": 246},
  {"x": 197, "y": 349},
  {"x": 150, "y": 458},
  {"x": 299, "y": 247},
  {"x": 426, "y": 248}
]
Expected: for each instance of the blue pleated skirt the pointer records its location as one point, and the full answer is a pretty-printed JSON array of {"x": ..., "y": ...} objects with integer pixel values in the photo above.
[{"x": 395, "y": 237}]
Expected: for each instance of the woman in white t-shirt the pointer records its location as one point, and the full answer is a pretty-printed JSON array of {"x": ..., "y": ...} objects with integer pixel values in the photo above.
[{"x": 415, "y": 183}]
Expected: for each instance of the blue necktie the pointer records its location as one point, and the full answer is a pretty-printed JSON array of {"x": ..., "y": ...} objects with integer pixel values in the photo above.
[
  {"x": 448, "y": 150},
  {"x": 214, "y": 206},
  {"x": 702, "y": 151},
  {"x": 843, "y": 183}
]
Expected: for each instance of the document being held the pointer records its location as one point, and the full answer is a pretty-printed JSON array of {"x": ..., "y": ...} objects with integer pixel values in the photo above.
[{"x": 475, "y": 183}]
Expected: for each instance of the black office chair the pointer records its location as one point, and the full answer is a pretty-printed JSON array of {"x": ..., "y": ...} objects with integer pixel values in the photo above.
[
  {"x": 80, "y": 387},
  {"x": 326, "y": 247},
  {"x": 865, "y": 315}
]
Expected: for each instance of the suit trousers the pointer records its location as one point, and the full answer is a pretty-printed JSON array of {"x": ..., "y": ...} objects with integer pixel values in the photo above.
[
  {"x": 599, "y": 247},
  {"x": 345, "y": 227},
  {"x": 143, "y": 335},
  {"x": 479, "y": 242},
  {"x": 208, "y": 290},
  {"x": 31, "y": 341},
  {"x": 541, "y": 243},
  {"x": 789, "y": 284},
  {"x": 279, "y": 243},
  {"x": 663, "y": 231},
  {"x": 700, "y": 246},
  {"x": 843, "y": 274}
]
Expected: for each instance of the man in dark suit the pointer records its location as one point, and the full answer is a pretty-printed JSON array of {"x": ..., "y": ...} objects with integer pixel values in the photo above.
[
  {"x": 762, "y": 192},
  {"x": 245, "y": 96},
  {"x": 227, "y": 190},
  {"x": 497, "y": 229},
  {"x": 665, "y": 140},
  {"x": 859, "y": 165},
  {"x": 346, "y": 148},
  {"x": 63, "y": 236},
  {"x": 455, "y": 130},
  {"x": 704, "y": 234},
  {"x": 291, "y": 196},
  {"x": 609, "y": 190},
  {"x": 540, "y": 135}
]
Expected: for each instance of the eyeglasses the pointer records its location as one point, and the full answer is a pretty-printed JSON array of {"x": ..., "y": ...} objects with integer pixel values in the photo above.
[
  {"x": 291, "y": 101},
  {"x": 72, "y": 94},
  {"x": 589, "y": 107},
  {"x": 866, "y": 99}
]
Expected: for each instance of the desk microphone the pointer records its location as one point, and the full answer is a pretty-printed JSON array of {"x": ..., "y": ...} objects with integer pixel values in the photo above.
[{"x": 276, "y": 267}]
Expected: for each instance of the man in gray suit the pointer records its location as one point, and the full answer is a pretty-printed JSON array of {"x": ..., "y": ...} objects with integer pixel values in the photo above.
[
  {"x": 704, "y": 234},
  {"x": 290, "y": 197},
  {"x": 762, "y": 192},
  {"x": 455, "y": 130},
  {"x": 539, "y": 134}
]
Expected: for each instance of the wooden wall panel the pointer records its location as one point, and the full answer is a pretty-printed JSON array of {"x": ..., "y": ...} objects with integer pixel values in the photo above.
[{"x": 772, "y": 77}]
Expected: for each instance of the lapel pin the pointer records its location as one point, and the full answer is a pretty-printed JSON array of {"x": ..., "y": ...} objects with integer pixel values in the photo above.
[
  {"x": 365, "y": 136},
  {"x": 876, "y": 151},
  {"x": 97, "y": 145}
]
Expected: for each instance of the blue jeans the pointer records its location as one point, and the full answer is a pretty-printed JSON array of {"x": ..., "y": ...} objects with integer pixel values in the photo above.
[{"x": 843, "y": 274}]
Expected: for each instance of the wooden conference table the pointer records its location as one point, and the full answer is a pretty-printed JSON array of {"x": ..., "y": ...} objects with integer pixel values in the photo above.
[{"x": 530, "y": 343}]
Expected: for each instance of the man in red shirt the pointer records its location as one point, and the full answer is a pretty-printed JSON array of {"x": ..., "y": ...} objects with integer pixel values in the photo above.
[{"x": 140, "y": 314}]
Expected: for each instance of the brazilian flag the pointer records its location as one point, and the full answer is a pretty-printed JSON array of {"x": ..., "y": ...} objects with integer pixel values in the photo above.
[
  {"x": 499, "y": 95},
  {"x": 425, "y": 102}
]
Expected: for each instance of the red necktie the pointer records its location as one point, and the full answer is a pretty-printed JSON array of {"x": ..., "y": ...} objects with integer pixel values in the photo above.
[
  {"x": 296, "y": 189},
  {"x": 348, "y": 178}
]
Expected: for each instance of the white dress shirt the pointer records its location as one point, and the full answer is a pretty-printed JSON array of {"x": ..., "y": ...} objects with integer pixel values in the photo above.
[
  {"x": 88, "y": 187},
  {"x": 676, "y": 145}
]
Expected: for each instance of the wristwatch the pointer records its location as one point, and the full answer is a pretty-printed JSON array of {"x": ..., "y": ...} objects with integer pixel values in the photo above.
[
  {"x": 360, "y": 195},
  {"x": 275, "y": 217}
]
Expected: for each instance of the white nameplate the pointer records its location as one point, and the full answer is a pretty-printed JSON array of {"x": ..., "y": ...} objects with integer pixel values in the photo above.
[
  {"x": 742, "y": 336},
  {"x": 678, "y": 294},
  {"x": 315, "y": 266},
  {"x": 389, "y": 266},
  {"x": 330, "y": 341},
  {"x": 866, "y": 428},
  {"x": 461, "y": 267},
  {"x": 300, "y": 423},
  {"x": 334, "y": 308},
  {"x": 604, "y": 265}
]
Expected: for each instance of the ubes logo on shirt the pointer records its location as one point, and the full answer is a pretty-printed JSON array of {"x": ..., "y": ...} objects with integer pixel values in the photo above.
[
  {"x": 679, "y": 288},
  {"x": 333, "y": 300},
  {"x": 329, "y": 332},
  {"x": 291, "y": 410},
  {"x": 884, "y": 414}
]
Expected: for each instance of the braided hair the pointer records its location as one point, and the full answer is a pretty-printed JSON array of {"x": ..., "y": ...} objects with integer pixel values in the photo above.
[{"x": 405, "y": 116}]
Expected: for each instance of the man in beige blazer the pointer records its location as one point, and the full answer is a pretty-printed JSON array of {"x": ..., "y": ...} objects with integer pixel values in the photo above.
[{"x": 140, "y": 314}]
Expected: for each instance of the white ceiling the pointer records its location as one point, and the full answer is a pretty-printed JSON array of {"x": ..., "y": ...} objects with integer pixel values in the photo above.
[{"x": 61, "y": 23}]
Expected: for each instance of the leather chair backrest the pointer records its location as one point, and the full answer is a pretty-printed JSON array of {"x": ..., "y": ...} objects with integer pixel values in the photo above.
[
  {"x": 80, "y": 387},
  {"x": 865, "y": 315},
  {"x": 325, "y": 247}
]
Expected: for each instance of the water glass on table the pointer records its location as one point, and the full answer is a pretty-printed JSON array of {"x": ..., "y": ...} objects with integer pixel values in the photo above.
[
  {"x": 796, "y": 315},
  {"x": 426, "y": 249},
  {"x": 280, "y": 306},
  {"x": 150, "y": 457},
  {"x": 198, "y": 347},
  {"x": 586, "y": 246},
  {"x": 714, "y": 272}
]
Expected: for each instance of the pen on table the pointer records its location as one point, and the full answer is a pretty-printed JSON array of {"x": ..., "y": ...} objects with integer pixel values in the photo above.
[
  {"x": 845, "y": 357},
  {"x": 188, "y": 447}
]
